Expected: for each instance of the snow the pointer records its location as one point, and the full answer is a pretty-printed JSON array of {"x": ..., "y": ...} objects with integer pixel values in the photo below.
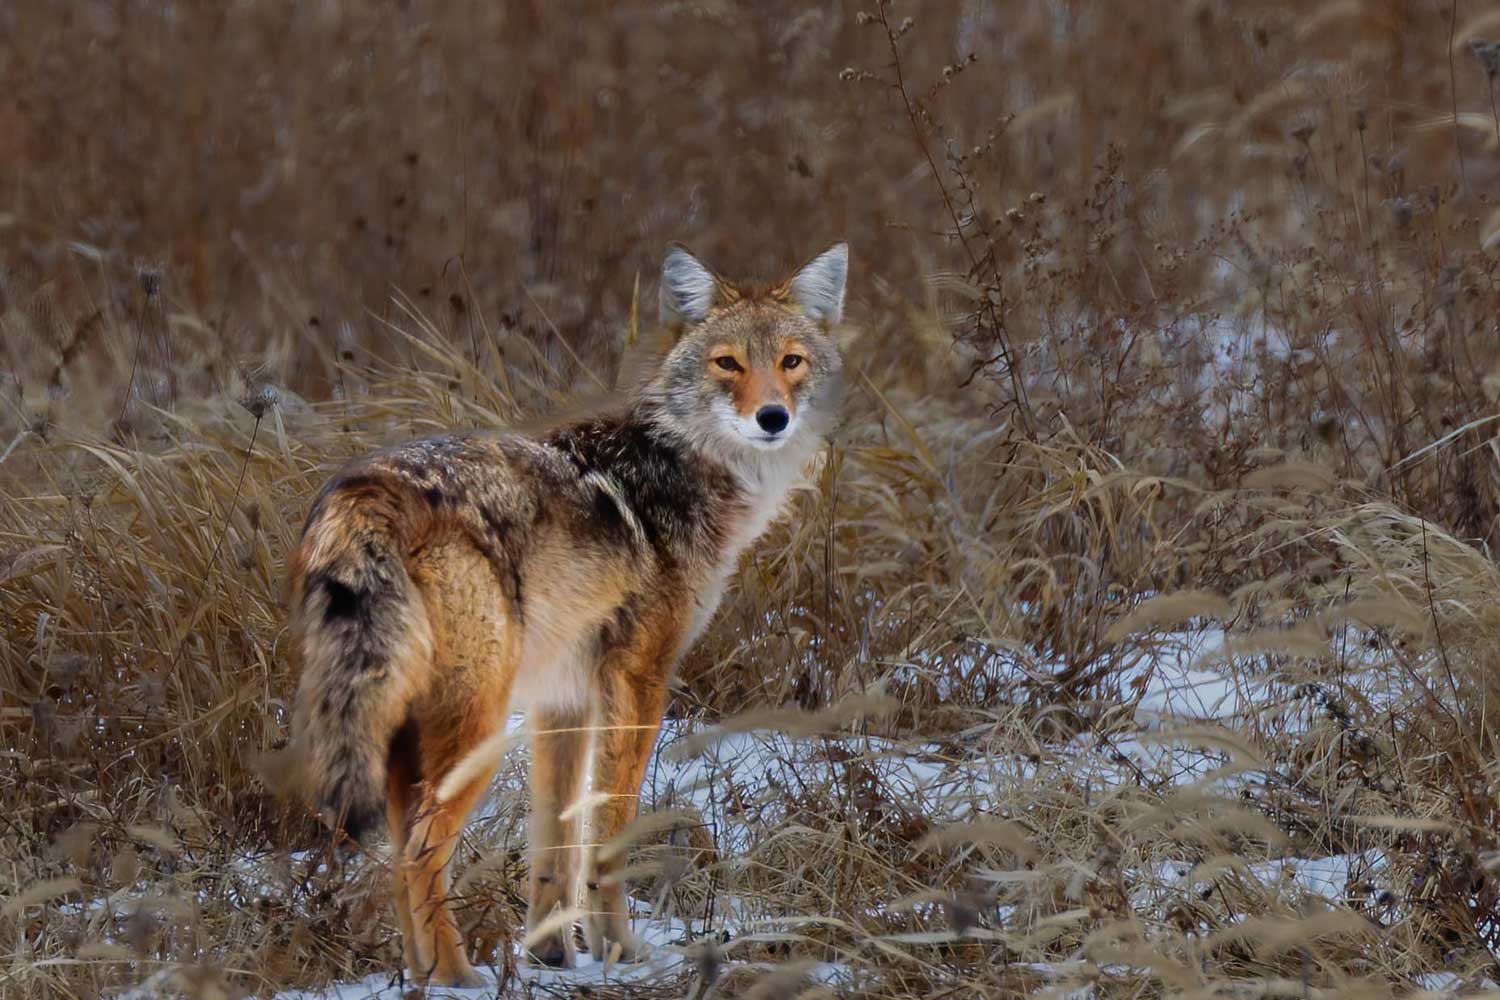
[
  {"x": 1329, "y": 879},
  {"x": 1452, "y": 984},
  {"x": 744, "y": 784}
]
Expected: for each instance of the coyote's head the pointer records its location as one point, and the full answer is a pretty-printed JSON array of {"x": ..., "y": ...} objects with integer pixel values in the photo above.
[{"x": 753, "y": 369}]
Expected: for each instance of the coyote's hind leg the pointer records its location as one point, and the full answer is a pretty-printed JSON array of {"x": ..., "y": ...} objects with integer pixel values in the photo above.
[
  {"x": 404, "y": 772},
  {"x": 429, "y": 847},
  {"x": 475, "y": 646}
]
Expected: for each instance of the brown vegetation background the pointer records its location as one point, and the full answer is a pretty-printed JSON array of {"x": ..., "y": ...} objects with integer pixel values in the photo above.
[{"x": 1146, "y": 298}]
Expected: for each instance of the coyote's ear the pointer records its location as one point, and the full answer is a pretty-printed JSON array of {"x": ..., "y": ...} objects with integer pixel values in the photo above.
[
  {"x": 688, "y": 288},
  {"x": 818, "y": 286}
]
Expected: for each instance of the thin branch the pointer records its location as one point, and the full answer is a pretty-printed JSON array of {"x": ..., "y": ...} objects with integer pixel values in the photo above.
[
  {"x": 1458, "y": 145},
  {"x": 996, "y": 320}
]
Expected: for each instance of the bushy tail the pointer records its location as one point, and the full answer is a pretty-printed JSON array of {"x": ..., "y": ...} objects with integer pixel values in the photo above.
[{"x": 366, "y": 647}]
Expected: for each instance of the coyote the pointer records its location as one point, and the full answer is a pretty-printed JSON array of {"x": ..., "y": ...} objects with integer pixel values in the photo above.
[{"x": 443, "y": 583}]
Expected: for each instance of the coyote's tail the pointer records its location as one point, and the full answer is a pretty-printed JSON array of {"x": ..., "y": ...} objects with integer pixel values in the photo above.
[{"x": 365, "y": 645}]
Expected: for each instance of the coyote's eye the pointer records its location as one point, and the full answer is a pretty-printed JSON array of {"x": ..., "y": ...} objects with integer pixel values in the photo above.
[
  {"x": 728, "y": 363},
  {"x": 791, "y": 361}
]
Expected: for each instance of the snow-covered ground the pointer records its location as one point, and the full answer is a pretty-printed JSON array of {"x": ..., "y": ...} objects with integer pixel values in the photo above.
[{"x": 744, "y": 784}]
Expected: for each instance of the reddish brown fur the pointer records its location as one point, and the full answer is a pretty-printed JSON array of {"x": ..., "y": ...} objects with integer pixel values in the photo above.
[{"x": 439, "y": 582}]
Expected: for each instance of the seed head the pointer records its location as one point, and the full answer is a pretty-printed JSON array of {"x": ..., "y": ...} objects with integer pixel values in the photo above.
[
  {"x": 259, "y": 399},
  {"x": 149, "y": 275}
]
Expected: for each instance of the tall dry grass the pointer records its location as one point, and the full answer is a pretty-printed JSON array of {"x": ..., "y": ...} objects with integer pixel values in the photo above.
[{"x": 1167, "y": 321}]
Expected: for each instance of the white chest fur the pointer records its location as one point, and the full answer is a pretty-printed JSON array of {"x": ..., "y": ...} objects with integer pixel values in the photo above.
[{"x": 766, "y": 495}]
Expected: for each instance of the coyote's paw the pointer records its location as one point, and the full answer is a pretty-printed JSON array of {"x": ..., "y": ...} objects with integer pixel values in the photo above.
[
  {"x": 552, "y": 951},
  {"x": 611, "y": 941},
  {"x": 464, "y": 978}
]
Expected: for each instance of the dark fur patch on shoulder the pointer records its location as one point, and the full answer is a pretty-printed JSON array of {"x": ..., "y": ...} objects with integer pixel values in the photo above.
[
  {"x": 674, "y": 493},
  {"x": 610, "y": 517}
]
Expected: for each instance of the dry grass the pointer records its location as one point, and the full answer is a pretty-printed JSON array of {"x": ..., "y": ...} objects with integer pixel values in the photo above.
[{"x": 1172, "y": 323}]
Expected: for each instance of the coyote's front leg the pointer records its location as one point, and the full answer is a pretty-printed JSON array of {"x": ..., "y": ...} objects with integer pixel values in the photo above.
[
  {"x": 632, "y": 698},
  {"x": 560, "y": 743}
]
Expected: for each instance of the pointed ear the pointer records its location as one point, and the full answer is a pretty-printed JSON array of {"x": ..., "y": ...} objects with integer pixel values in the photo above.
[
  {"x": 689, "y": 289},
  {"x": 818, "y": 287}
]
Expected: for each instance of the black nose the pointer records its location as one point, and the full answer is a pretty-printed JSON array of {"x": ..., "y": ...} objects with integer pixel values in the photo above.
[{"x": 772, "y": 419}]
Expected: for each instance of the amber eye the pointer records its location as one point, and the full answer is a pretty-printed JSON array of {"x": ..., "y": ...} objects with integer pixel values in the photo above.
[
  {"x": 728, "y": 364},
  {"x": 791, "y": 361}
]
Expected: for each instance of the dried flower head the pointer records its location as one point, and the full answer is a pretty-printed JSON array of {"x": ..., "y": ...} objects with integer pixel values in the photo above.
[
  {"x": 149, "y": 276},
  {"x": 259, "y": 399}
]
